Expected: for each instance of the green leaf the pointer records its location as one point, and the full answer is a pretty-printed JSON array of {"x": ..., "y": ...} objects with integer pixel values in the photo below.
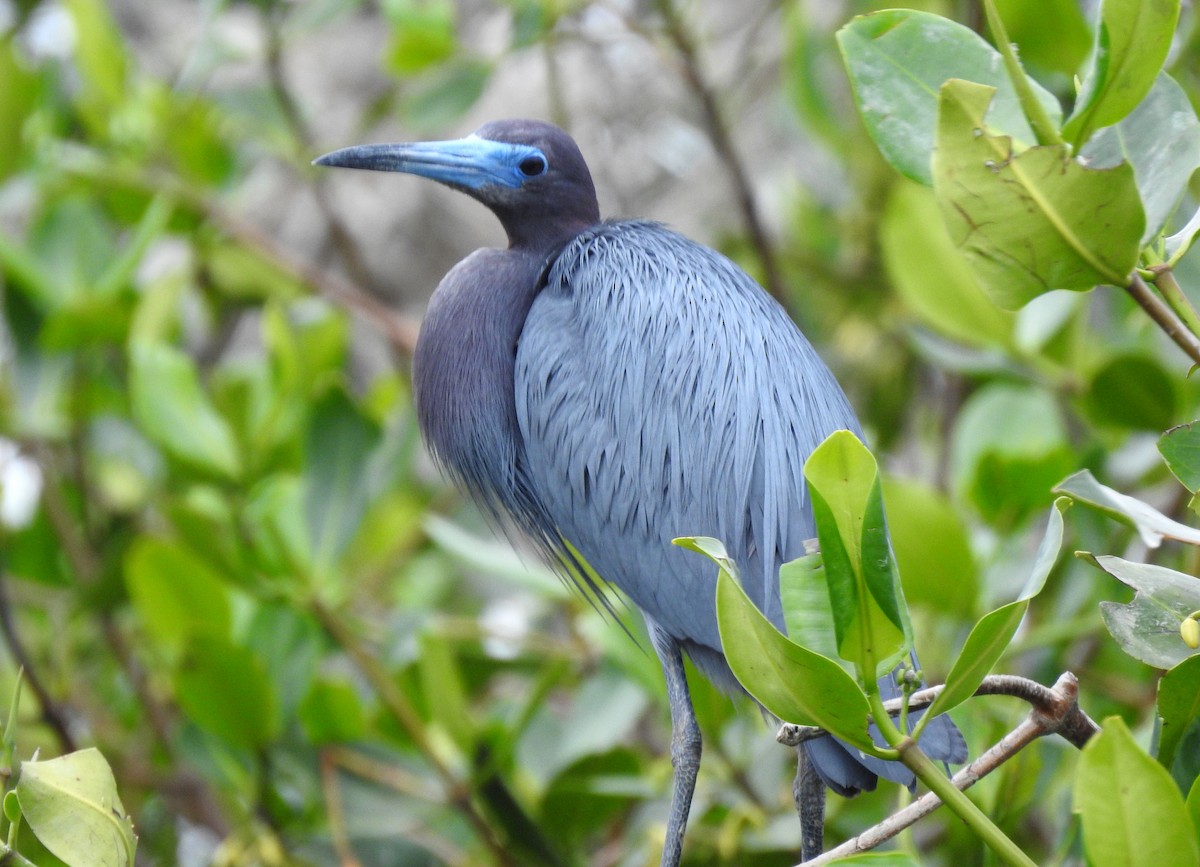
[
  {"x": 1193, "y": 805},
  {"x": 12, "y": 807},
  {"x": 1161, "y": 140},
  {"x": 864, "y": 588},
  {"x": 422, "y": 36},
  {"x": 332, "y": 713},
  {"x": 1053, "y": 34},
  {"x": 1032, "y": 221},
  {"x": 18, "y": 99},
  {"x": 1152, "y": 525},
  {"x": 1131, "y": 811},
  {"x": 245, "y": 275},
  {"x": 899, "y": 58},
  {"x": 339, "y": 477},
  {"x": 445, "y": 94},
  {"x": 103, "y": 65},
  {"x": 807, "y": 612},
  {"x": 1148, "y": 627},
  {"x": 933, "y": 549},
  {"x": 930, "y": 275},
  {"x": 176, "y": 594},
  {"x": 991, "y": 636},
  {"x": 713, "y": 549},
  {"x": 1131, "y": 44},
  {"x": 224, "y": 689},
  {"x": 1009, "y": 448},
  {"x": 795, "y": 684},
  {"x": 71, "y": 804},
  {"x": 1180, "y": 448},
  {"x": 174, "y": 412},
  {"x": 1134, "y": 391},
  {"x": 1178, "y": 705},
  {"x": 281, "y": 541},
  {"x": 442, "y": 684}
]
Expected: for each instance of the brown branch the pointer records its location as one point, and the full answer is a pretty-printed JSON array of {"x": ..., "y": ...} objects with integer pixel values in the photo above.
[
  {"x": 1055, "y": 711},
  {"x": 457, "y": 792},
  {"x": 1164, "y": 317},
  {"x": 341, "y": 238},
  {"x": 401, "y": 331},
  {"x": 722, "y": 141},
  {"x": 53, "y": 715}
]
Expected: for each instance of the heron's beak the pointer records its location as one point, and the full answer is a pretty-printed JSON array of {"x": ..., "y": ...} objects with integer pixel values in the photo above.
[{"x": 466, "y": 163}]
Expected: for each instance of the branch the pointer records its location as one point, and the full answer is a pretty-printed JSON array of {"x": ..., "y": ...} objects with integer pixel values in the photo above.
[
  {"x": 457, "y": 791},
  {"x": 722, "y": 141},
  {"x": 52, "y": 714},
  {"x": 1164, "y": 318},
  {"x": 1055, "y": 711}
]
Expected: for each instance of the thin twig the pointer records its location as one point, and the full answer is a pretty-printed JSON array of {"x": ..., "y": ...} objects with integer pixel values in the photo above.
[
  {"x": 1076, "y": 726},
  {"x": 335, "y": 811},
  {"x": 457, "y": 792},
  {"x": 52, "y": 714},
  {"x": 1055, "y": 711},
  {"x": 1025, "y": 733},
  {"x": 401, "y": 331},
  {"x": 1173, "y": 294},
  {"x": 722, "y": 141},
  {"x": 341, "y": 238},
  {"x": 1164, "y": 318}
]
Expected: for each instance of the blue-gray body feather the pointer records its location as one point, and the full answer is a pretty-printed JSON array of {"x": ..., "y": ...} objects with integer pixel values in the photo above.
[
  {"x": 700, "y": 402},
  {"x": 640, "y": 387}
]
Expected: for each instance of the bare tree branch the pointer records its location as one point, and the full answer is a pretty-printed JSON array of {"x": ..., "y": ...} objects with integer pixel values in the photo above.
[{"x": 1055, "y": 711}]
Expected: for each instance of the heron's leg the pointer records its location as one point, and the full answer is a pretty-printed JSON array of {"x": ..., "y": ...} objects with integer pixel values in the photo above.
[
  {"x": 685, "y": 741},
  {"x": 809, "y": 791}
]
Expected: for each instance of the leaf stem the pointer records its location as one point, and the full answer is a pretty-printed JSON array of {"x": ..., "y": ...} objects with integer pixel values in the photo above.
[
  {"x": 13, "y": 857},
  {"x": 941, "y": 785},
  {"x": 1172, "y": 293},
  {"x": 1043, "y": 127},
  {"x": 1164, "y": 317}
]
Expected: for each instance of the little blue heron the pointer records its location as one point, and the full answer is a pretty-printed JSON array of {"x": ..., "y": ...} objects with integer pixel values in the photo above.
[{"x": 610, "y": 385}]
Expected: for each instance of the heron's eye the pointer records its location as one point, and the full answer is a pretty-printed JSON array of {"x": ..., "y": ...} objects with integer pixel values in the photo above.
[{"x": 531, "y": 167}]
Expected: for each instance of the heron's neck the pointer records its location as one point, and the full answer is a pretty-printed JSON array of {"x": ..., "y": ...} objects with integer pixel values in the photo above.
[{"x": 464, "y": 366}]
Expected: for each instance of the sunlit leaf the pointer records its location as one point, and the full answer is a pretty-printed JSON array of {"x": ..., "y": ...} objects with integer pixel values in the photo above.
[
  {"x": 1161, "y": 140},
  {"x": 1131, "y": 811},
  {"x": 174, "y": 412},
  {"x": 930, "y": 274},
  {"x": 864, "y": 588},
  {"x": 991, "y": 636},
  {"x": 18, "y": 98},
  {"x": 1034, "y": 220},
  {"x": 1131, "y": 44},
  {"x": 71, "y": 804},
  {"x": 795, "y": 684},
  {"x": 804, "y": 594},
  {"x": 899, "y": 58}
]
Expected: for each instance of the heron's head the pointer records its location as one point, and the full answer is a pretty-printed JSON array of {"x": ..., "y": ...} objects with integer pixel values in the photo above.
[{"x": 530, "y": 173}]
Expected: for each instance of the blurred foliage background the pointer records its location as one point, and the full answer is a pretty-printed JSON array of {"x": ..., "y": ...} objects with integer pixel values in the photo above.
[{"x": 226, "y": 560}]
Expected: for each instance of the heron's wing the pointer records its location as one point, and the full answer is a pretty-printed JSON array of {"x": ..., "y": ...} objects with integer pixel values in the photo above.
[{"x": 660, "y": 392}]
